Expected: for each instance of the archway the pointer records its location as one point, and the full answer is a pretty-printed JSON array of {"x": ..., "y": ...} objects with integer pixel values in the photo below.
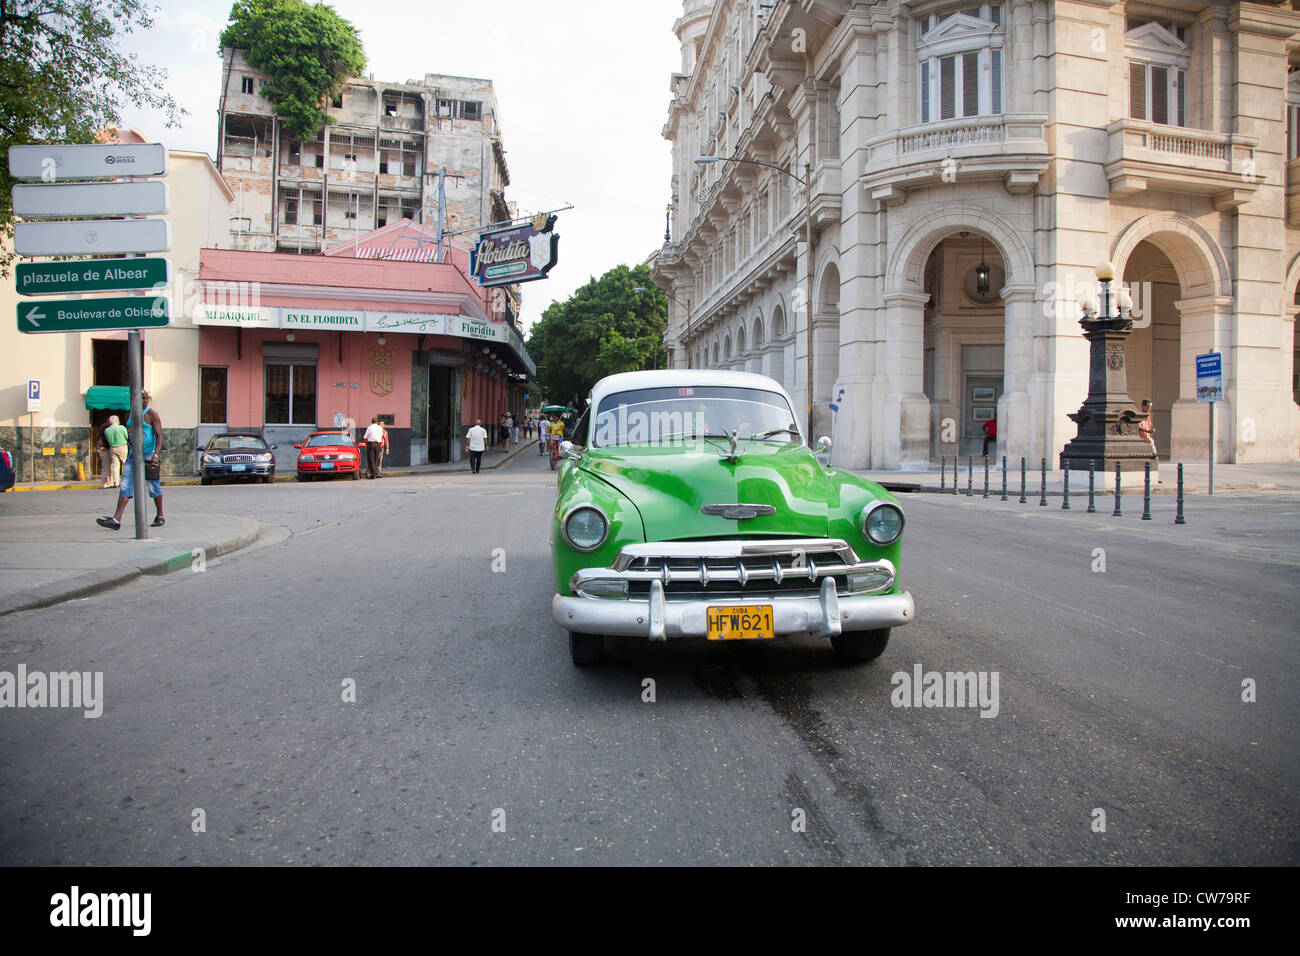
[
  {"x": 1001, "y": 316},
  {"x": 826, "y": 347},
  {"x": 1185, "y": 310}
]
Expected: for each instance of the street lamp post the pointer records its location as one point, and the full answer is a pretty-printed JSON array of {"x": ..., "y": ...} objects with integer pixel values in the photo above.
[
  {"x": 806, "y": 183},
  {"x": 685, "y": 305},
  {"x": 1107, "y": 421}
]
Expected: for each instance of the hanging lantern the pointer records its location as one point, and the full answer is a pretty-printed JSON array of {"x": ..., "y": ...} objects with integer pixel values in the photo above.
[{"x": 982, "y": 273}]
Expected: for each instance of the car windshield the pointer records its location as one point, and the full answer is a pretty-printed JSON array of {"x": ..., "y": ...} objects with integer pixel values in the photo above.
[
  {"x": 316, "y": 441},
  {"x": 237, "y": 443},
  {"x": 673, "y": 414}
]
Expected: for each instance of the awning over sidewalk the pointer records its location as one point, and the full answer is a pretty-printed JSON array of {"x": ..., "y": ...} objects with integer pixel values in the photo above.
[{"x": 108, "y": 396}]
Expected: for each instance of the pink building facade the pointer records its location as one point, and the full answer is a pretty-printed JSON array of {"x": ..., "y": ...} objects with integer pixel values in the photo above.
[{"x": 290, "y": 344}]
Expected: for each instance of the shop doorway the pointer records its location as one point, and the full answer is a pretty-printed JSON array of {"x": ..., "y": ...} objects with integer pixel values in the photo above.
[{"x": 442, "y": 432}]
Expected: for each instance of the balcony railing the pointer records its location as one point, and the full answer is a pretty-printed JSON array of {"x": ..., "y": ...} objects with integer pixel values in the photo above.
[
  {"x": 1144, "y": 155},
  {"x": 1011, "y": 147}
]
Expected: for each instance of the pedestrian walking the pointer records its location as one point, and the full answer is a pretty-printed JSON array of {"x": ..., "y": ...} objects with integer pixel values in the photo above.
[
  {"x": 374, "y": 439},
  {"x": 118, "y": 441},
  {"x": 101, "y": 450},
  {"x": 151, "y": 431},
  {"x": 383, "y": 452},
  {"x": 542, "y": 435},
  {"x": 475, "y": 445},
  {"x": 990, "y": 433},
  {"x": 505, "y": 431}
]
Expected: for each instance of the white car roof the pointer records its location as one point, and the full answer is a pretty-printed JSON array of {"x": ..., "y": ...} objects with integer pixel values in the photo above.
[{"x": 683, "y": 377}]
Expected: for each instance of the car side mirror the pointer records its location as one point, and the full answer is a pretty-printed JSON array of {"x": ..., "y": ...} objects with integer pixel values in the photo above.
[
  {"x": 569, "y": 450},
  {"x": 297, "y": 446},
  {"x": 200, "y": 448},
  {"x": 823, "y": 452},
  {"x": 274, "y": 447}
]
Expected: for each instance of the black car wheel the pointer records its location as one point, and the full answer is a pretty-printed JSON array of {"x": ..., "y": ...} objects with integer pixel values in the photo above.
[
  {"x": 356, "y": 474},
  {"x": 860, "y": 646},
  {"x": 586, "y": 648},
  {"x": 266, "y": 479},
  {"x": 205, "y": 480},
  {"x": 302, "y": 477}
]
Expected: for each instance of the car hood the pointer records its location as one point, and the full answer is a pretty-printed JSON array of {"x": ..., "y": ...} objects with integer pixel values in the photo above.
[{"x": 670, "y": 485}]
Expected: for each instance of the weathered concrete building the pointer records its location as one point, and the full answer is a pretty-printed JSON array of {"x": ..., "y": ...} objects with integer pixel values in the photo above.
[
  {"x": 969, "y": 165},
  {"x": 377, "y": 162}
]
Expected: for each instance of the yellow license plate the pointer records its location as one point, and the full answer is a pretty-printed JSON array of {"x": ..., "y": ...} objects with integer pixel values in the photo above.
[{"x": 740, "y": 622}]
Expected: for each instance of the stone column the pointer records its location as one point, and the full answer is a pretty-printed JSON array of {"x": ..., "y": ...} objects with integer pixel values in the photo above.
[
  {"x": 1205, "y": 325},
  {"x": 906, "y": 412},
  {"x": 1017, "y": 427}
]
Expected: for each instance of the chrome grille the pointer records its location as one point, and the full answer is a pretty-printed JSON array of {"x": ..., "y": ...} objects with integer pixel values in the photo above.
[
  {"x": 237, "y": 459},
  {"x": 736, "y": 567}
]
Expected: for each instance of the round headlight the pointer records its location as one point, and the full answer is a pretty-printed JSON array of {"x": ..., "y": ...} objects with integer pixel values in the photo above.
[
  {"x": 883, "y": 524},
  {"x": 585, "y": 528}
]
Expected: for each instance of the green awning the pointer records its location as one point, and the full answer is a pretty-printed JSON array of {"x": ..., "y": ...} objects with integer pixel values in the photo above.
[{"x": 108, "y": 396}]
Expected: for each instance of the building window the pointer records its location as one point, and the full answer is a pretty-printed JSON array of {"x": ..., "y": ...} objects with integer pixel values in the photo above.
[
  {"x": 295, "y": 153},
  {"x": 1157, "y": 72},
  {"x": 212, "y": 395},
  {"x": 960, "y": 64},
  {"x": 290, "y": 395},
  {"x": 291, "y": 212},
  {"x": 460, "y": 109},
  {"x": 1293, "y": 116},
  {"x": 246, "y": 84}
]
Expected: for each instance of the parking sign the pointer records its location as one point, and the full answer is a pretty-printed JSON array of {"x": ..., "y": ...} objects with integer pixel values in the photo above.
[
  {"x": 1209, "y": 377},
  {"x": 33, "y": 395}
]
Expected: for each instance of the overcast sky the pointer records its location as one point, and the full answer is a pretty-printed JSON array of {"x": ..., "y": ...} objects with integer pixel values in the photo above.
[{"x": 582, "y": 86}]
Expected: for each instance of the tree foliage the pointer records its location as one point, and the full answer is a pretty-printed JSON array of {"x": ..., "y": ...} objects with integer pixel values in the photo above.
[
  {"x": 604, "y": 328},
  {"x": 64, "y": 80},
  {"x": 306, "y": 50}
]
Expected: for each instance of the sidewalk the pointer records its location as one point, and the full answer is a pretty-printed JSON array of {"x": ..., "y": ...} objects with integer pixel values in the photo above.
[
  {"x": 45, "y": 560},
  {"x": 48, "y": 559},
  {"x": 1284, "y": 477},
  {"x": 492, "y": 458}
]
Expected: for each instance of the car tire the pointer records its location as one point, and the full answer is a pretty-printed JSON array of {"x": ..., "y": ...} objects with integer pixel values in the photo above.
[
  {"x": 266, "y": 479},
  {"x": 356, "y": 474},
  {"x": 586, "y": 648},
  {"x": 304, "y": 477},
  {"x": 205, "y": 480},
  {"x": 860, "y": 646}
]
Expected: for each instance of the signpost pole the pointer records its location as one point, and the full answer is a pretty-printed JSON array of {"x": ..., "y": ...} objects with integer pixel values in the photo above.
[
  {"x": 1211, "y": 447},
  {"x": 137, "y": 436},
  {"x": 31, "y": 444}
]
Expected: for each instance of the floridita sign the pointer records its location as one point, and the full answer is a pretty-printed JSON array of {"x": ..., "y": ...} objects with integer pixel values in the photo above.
[{"x": 518, "y": 254}]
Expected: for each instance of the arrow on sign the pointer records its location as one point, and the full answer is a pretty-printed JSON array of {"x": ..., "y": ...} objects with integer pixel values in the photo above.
[{"x": 34, "y": 314}]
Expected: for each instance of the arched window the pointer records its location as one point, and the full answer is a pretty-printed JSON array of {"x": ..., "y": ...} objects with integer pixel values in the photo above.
[
  {"x": 740, "y": 340},
  {"x": 758, "y": 332},
  {"x": 778, "y": 324}
]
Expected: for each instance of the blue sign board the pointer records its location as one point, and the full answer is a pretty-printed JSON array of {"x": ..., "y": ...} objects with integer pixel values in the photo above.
[{"x": 1209, "y": 377}]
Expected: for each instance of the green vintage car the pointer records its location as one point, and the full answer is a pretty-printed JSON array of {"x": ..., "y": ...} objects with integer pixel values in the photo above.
[{"x": 689, "y": 506}]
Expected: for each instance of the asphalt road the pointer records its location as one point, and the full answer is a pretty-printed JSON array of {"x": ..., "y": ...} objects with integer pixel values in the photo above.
[{"x": 474, "y": 740}]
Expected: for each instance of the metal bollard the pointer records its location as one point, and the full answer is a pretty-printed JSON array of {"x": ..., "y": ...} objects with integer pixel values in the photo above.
[
  {"x": 1042, "y": 502},
  {"x": 1004, "y": 477},
  {"x": 1065, "y": 486},
  {"x": 1022, "y": 479},
  {"x": 1146, "y": 494},
  {"x": 1092, "y": 486},
  {"x": 1117, "y": 513},
  {"x": 986, "y": 476},
  {"x": 970, "y": 474},
  {"x": 943, "y": 472},
  {"x": 1178, "y": 518}
]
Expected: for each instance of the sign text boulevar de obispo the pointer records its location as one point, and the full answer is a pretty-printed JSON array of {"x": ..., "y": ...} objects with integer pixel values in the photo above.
[{"x": 518, "y": 254}]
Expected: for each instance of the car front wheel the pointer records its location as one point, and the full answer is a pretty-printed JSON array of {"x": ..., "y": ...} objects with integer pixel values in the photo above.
[
  {"x": 860, "y": 645},
  {"x": 586, "y": 648},
  {"x": 205, "y": 480},
  {"x": 302, "y": 477}
]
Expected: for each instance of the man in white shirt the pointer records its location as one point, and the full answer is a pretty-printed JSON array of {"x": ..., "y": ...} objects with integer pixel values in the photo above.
[
  {"x": 374, "y": 447},
  {"x": 476, "y": 444}
]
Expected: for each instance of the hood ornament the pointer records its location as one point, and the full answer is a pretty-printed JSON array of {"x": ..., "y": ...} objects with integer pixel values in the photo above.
[{"x": 739, "y": 511}]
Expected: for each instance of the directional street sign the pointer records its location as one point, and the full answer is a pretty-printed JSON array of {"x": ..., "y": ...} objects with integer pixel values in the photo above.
[
  {"x": 58, "y": 162},
  {"x": 91, "y": 275},
  {"x": 92, "y": 315},
  {"x": 60, "y": 200},
  {"x": 92, "y": 237}
]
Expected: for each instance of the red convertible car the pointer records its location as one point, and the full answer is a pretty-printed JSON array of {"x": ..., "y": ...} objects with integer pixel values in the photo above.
[{"x": 326, "y": 454}]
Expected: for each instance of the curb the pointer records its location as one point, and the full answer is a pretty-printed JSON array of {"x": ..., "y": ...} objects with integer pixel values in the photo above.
[
  {"x": 94, "y": 582},
  {"x": 1036, "y": 490}
]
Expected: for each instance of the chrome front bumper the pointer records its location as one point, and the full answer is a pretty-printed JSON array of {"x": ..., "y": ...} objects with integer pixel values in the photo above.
[{"x": 657, "y": 617}]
